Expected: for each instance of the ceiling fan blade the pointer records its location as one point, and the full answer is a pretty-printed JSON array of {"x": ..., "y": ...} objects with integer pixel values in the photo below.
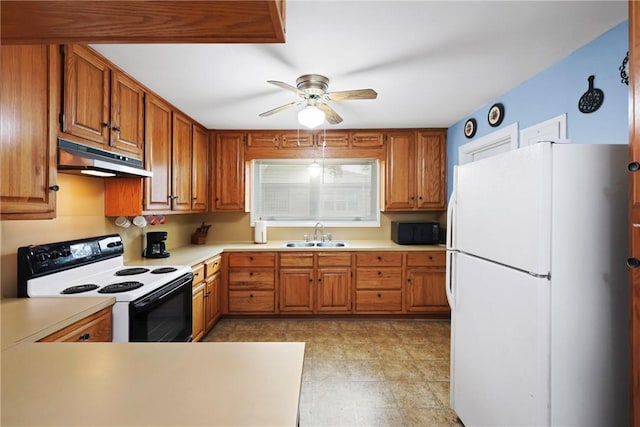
[
  {"x": 353, "y": 94},
  {"x": 330, "y": 115},
  {"x": 280, "y": 108},
  {"x": 286, "y": 86}
]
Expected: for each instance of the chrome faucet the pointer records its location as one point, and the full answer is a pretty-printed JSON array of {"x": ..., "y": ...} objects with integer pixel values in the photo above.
[{"x": 315, "y": 232}]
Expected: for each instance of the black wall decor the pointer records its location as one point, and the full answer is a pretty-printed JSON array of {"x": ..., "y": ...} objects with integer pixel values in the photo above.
[
  {"x": 624, "y": 70},
  {"x": 592, "y": 99},
  {"x": 470, "y": 128},
  {"x": 496, "y": 115}
]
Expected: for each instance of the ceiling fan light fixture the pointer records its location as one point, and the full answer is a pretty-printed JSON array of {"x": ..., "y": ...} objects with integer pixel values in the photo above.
[{"x": 311, "y": 117}]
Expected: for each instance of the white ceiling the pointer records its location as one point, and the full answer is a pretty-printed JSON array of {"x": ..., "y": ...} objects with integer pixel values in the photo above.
[{"x": 431, "y": 62}]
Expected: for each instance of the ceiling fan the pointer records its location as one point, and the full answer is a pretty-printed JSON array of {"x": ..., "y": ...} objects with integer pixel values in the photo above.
[{"x": 312, "y": 89}]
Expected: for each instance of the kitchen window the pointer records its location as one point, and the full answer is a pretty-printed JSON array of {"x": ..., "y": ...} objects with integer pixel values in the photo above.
[{"x": 343, "y": 194}]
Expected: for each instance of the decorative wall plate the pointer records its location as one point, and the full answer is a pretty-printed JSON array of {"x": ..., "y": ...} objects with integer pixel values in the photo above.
[
  {"x": 496, "y": 114},
  {"x": 470, "y": 127},
  {"x": 592, "y": 99}
]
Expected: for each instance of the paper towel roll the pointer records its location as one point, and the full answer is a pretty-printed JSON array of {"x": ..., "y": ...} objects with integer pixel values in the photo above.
[{"x": 260, "y": 235}]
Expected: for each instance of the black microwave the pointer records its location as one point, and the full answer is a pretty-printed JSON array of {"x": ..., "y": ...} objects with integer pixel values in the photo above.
[{"x": 415, "y": 233}]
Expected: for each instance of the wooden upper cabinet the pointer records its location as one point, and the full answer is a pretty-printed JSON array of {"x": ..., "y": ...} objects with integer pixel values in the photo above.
[
  {"x": 229, "y": 171},
  {"x": 126, "y": 21},
  {"x": 199, "y": 169},
  {"x": 181, "y": 163},
  {"x": 27, "y": 131},
  {"x": 263, "y": 140},
  {"x": 158, "y": 123},
  {"x": 127, "y": 114},
  {"x": 296, "y": 139},
  {"x": 102, "y": 105},
  {"x": 415, "y": 170},
  {"x": 86, "y": 95},
  {"x": 363, "y": 139},
  {"x": 431, "y": 155},
  {"x": 332, "y": 139},
  {"x": 400, "y": 188}
]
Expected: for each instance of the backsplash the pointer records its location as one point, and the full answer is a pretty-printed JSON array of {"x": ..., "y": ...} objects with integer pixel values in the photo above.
[{"x": 80, "y": 214}]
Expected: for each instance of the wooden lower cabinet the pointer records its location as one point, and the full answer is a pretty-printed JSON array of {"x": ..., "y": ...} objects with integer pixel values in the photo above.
[
  {"x": 424, "y": 286},
  {"x": 379, "y": 282},
  {"x": 94, "y": 328},
  {"x": 206, "y": 297},
  {"x": 315, "y": 282},
  {"x": 251, "y": 283},
  {"x": 378, "y": 301}
]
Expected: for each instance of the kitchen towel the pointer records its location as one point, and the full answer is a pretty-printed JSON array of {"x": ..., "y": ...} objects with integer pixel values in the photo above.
[{"x": 260, "y": 233}]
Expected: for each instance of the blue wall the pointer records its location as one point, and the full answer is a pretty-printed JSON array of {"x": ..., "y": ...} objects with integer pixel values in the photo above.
[{"x": 556, "y": 91}]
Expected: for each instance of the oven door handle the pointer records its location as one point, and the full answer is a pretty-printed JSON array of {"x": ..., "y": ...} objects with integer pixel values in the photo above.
[{"x": 159, "y": 295}]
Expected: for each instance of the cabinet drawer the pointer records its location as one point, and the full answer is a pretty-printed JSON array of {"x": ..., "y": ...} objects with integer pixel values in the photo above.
[
  {"x": 390, "y": 259},
  {"x": 426, "y": 259},
  {"x": 249, "y": 301},
  {"x": 252, "y": 259},
  {"x": 198, "y": 274},
  {"x": 297, "y": 259},
  {"x": 252, "y": 279},
  {"x": 378, "y": 300},
  {"x": 95, "y": 328},
  {"x": 379, "y": 278},
  {"x": 334, "y": 259},
  {"x": 212, "y": 266}
]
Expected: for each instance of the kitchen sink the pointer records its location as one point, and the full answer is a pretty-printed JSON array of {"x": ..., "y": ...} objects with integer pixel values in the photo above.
[
  {"x": 299, "y": 244},
  {"x": 331, "y": 244}
]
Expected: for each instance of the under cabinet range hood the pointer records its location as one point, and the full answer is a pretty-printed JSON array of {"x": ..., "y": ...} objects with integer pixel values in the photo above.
[{"x": 76, "y": 158}]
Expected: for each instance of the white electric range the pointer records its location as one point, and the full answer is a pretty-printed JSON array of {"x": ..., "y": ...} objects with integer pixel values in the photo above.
[{"x": 152, "y": 303}]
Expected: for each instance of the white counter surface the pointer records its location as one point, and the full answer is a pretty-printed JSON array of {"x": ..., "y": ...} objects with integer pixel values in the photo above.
[
  {"x": 194, "y": 254},
  {"x": 31, "y": 319},
  {"x": 152, "y": 384}
]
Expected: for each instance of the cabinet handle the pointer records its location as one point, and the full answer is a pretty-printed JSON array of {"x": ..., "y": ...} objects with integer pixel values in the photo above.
[
  {"x": 319, "y": 280},
  {"x": 250, "y": 258},
  {"x": 54, "y": 188},
  {"x": 84, "y": 337},
  {"x": 408, "y": 280},
  {"x": 250, "y": 295},
  {"x": 196, "y": 274},
  {"x": 116, "y": 128},
  {"x": 419, "y": 197},
  {"x": 633, "y": 262},
  {"x": 379, "y": 295},
  {"x": 430, "y": 258},
  {"x": 251, "y": 273},
  {"x": 379, "y": 273},
  {"x": 413, "y": 197},
  {"x": 106, "y": 125},
  {"x": 379, "y": 258},
  {"x": 310, "y": 280},
  {"x": 633, "y": 166}
]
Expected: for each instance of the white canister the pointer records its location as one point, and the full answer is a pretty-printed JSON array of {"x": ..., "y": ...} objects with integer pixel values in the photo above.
[{"x": 260, "y": 232}]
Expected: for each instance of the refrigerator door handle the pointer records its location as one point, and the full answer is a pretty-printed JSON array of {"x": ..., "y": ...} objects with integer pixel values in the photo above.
[
  {"x": 450, "y": 209},
  {"x": 449, "y": 281}
]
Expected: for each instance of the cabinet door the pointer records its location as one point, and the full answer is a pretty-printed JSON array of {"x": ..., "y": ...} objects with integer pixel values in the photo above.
[
  {"x": 181, "y": 163},
  {"x": 296, "y": 290},
  {"x": 229, "y": 170},
  {"x": 333, "y": 139},
  {"x": 296, "y": 139},
  {"x": 367, "y": 139},
  {"x": 425, "y": 290},
  {"x": 212, "y": 301},
  {"x": 127, "y": 114},
  {"x": 157, "y": 189},
  {"x": 198, "y": 311},
  {"x": 86, "y": 95},
  {"x": 94, "y": 328},
  {"x": 333, "y": 290},
  {"x": 27, "y": 132},
  {"x": 400, "y": 191},
  {"x": 199, "y": 170},
  {"x": 263, "y": 140},
  {"x": 431, "y": 155}
]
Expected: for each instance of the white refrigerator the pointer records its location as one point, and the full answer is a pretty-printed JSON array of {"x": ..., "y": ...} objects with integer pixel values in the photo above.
[{"x": 537, "y": 284}]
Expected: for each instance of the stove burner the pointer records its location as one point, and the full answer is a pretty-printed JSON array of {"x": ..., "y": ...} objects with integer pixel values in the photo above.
[
  {"x": 79, "y": 289},
  {"x": 163, "y": 270},
  {"x": 131, "y": 271},
  {"x": 119, "y": 287}
]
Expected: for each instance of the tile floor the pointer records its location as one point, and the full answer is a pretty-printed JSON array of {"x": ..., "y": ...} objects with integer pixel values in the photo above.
[{"x": 362, "y": 372}]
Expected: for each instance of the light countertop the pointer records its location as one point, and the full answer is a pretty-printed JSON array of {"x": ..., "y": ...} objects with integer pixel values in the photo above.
[
  {"x": 151, "y": 384},
  {"x": 194, "y": 254},
  {"x": 31, "y": 319}
]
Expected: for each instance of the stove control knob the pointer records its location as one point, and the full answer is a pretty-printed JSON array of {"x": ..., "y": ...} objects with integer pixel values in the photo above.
[
  {"x": 42, "y": 256},
  {"x": 66, "y": 251},
  {"x": 55, "y": 255}
]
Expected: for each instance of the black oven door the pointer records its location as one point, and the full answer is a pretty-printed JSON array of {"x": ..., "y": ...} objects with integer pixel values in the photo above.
[{"x": 164, "y": 315}]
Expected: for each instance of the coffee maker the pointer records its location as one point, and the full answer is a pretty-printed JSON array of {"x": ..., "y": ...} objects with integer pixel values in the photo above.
[{"x": 155, "y": 245}]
